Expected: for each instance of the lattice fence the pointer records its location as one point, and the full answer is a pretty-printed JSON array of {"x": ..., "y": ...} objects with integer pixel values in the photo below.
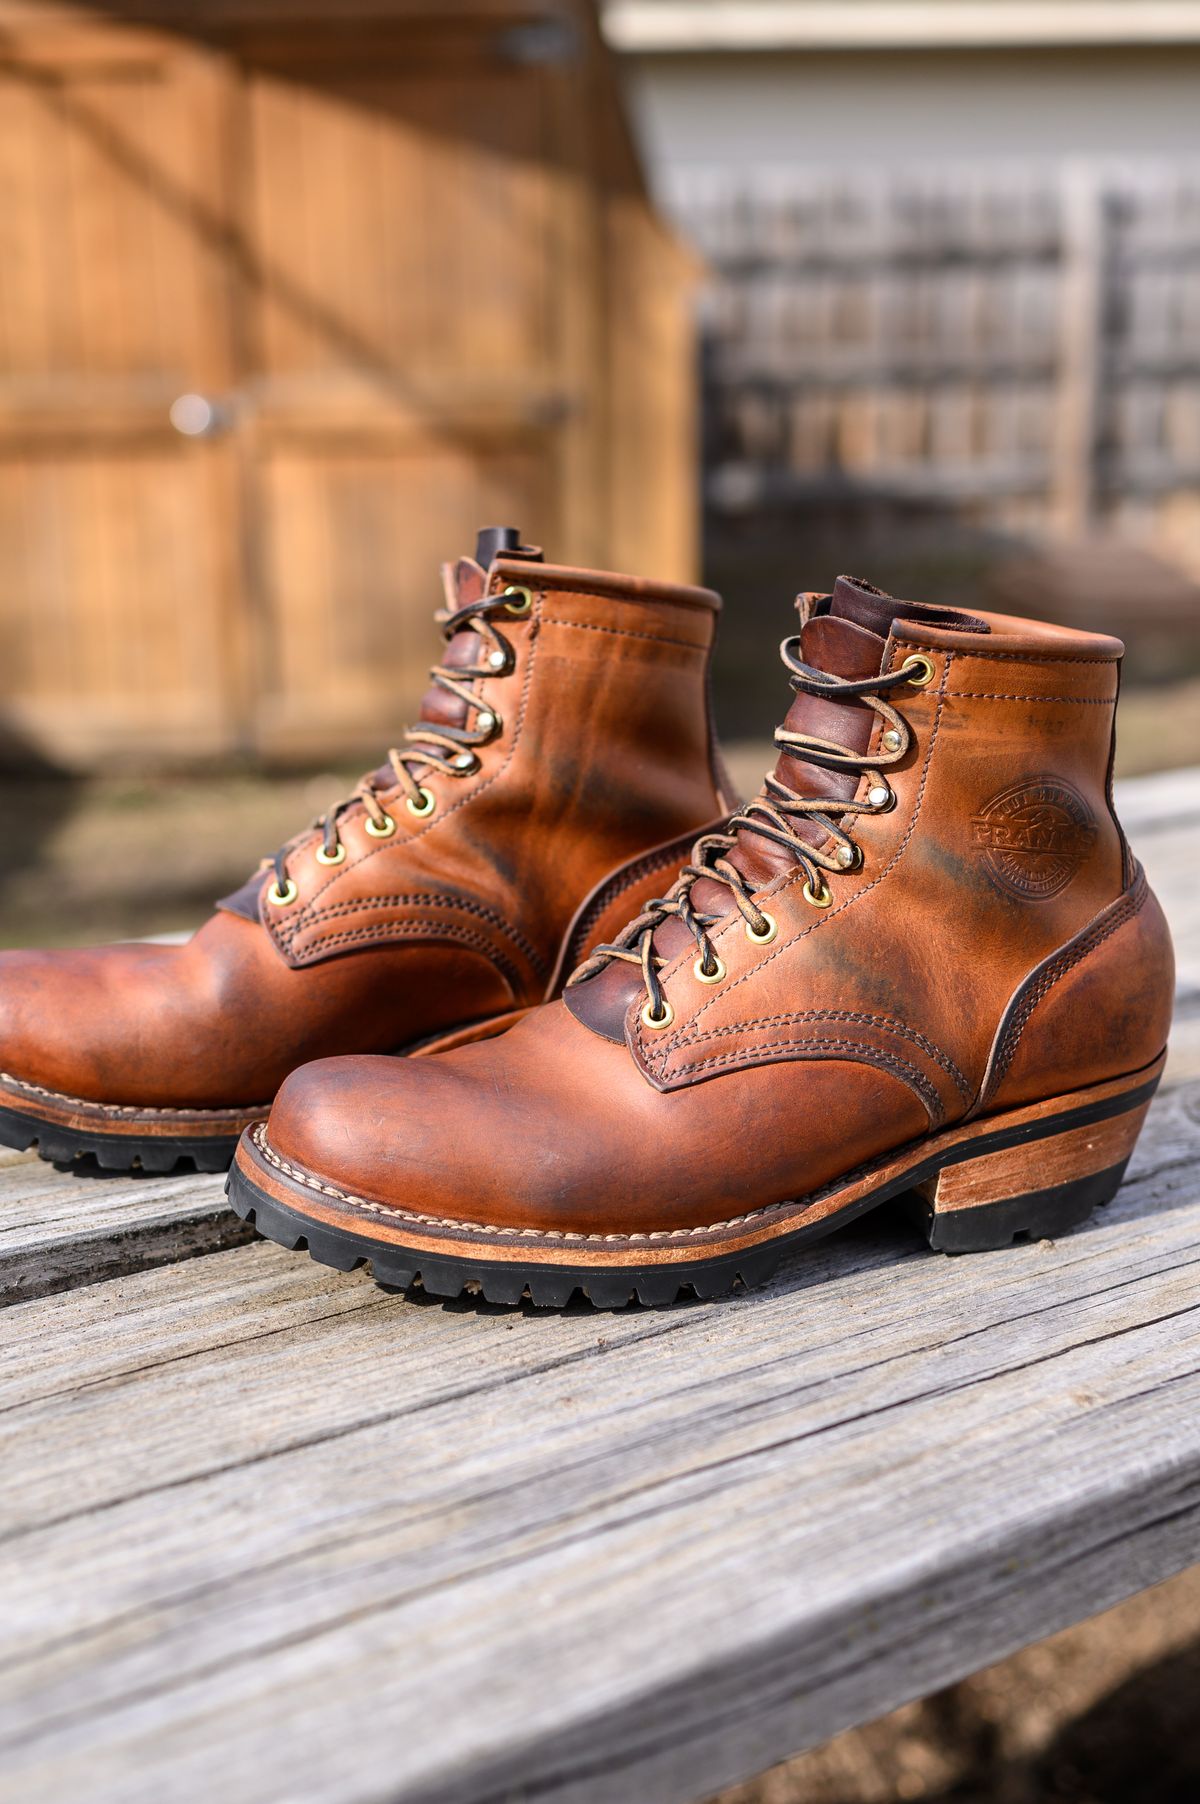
[{"x": 1022, "y": 349}]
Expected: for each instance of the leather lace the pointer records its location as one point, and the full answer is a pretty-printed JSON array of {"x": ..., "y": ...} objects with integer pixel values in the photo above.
[
  {"x": 769, "y": 817},
  {"x": 432, "y": 745}
]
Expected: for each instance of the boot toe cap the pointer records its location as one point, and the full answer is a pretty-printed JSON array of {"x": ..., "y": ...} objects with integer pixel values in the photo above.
[{"x": 378, "y": 1128}]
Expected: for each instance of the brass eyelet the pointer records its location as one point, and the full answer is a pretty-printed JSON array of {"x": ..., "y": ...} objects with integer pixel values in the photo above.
[
  {"x": 820, "y": 898},
  {"x": 337, "y": 856},
  {"x": 380, "y": 829},
  {"x": 281, "y": 898},
  {"x": 658, "y": 1022},
  {"x": 923, "y": 669},
  {"x": 892, "y": 740},
  {"x": 425, "y": 807},
  {"x": 763, "y": 939},
  {"x": 713, "y": 976},
  {"x": 521, "y": 602},
  {"x": 882, "y": 797}
]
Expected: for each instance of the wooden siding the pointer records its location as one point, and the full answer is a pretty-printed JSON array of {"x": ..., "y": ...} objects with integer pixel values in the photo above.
[
  {"x": 405, "y": 255},
  {"x": 1022, "y": 350}
]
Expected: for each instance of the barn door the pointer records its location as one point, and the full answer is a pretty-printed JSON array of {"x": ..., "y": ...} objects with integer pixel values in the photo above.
[
  {"x": 280, "y": 323},
  {"x": 121, "y": 596},
  {"x": 405, "y": 324}
]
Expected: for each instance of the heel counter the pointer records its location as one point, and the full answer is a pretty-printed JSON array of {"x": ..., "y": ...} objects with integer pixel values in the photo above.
[{"x": 1098, "y": 1007}]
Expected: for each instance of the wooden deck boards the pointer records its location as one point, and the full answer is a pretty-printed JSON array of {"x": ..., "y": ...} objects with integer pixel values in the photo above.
[{"x": 267, "y": 1533}]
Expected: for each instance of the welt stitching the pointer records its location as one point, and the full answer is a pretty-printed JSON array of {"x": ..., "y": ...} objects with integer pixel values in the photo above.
[
  {"x": 857, "y": 1050},
  {"x": 451, "y": 904},
  {"x": 302, "y": 919},
  {"x": 131, "y": 1109},
  {"x": 1073, "y": 701},
  {"x": 309, "y": 1182},
  {"x": 797, "y": 1204},
  {"x": 1023, "y": 657},
  {"x": 1094, "y": 936},
  {"x": 884, "y": 1022},
  {"x": 438, "y": 930},
  {"x": 690, "y": 1034},
  {"x": 624, "y": 632}
]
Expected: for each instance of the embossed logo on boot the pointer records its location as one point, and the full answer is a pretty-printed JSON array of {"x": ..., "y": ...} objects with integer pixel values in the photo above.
[{"x": 1034, "y": 836}]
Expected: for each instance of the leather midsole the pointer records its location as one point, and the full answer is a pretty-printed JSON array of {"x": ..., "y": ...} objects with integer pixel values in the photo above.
[
  {"x": 76, "y": 1113},
  {"x": 319, "y": 1199}
]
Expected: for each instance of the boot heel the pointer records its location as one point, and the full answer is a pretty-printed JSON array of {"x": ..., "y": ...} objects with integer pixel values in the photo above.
[{"x": 1035, "y": 1190}]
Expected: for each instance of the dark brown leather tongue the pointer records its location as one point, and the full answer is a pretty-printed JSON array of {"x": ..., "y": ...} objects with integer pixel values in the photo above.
[
  {"x": 463, "y": 582},
  {"x": 839, "y": 646},
  {"x": 838, "y": 642}
]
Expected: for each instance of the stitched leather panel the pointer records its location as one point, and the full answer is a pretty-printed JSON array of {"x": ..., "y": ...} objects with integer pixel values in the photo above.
[{"x": 939, "y": 873}]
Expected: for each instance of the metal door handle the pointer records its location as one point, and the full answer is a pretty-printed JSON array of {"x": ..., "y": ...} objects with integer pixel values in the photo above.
[{"x": 199, "y": 416}]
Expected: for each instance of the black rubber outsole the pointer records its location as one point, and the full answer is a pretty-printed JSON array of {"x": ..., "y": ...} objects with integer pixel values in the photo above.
[
  {"x": 113, "y": 1152},
  {"x": 1038, "y": 1215},
  {"x": 501, "y": 1281}
]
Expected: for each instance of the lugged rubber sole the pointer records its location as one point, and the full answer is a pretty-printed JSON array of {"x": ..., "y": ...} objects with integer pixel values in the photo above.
[
  {"x": 1031, "y": 1173},
  {"x": 62, "y": 1130}
]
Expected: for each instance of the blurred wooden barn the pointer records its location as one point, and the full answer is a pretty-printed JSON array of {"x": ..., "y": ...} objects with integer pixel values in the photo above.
[{"x": 292, "y": 296}]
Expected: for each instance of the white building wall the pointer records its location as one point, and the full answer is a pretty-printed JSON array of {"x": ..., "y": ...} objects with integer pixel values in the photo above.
[{"x": 741, "y": 114}]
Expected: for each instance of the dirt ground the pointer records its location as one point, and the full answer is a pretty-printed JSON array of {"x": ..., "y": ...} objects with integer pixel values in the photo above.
[{"x": 1104, "y": 1713}]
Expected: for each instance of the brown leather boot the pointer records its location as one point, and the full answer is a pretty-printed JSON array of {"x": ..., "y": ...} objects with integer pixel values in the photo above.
[
  {"x": 563, "y": 762},
  {"x": 923, "y": 960}
]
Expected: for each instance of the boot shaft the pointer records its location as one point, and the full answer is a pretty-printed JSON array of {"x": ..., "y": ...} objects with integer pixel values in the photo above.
[
  {"x": 989, "y": 870},
  {"x": 587, "y": 740}
]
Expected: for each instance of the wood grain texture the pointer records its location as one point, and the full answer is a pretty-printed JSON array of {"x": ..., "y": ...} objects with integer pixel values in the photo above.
[
  {"x": 265, "y": 1532},
  {"x": 59, "y": 1229}
]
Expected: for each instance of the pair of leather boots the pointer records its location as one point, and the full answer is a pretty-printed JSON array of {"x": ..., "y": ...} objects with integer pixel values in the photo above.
[{"x": 651, "y": 1043}]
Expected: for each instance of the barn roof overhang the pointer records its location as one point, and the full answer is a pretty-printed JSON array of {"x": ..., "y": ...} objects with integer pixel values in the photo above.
[{"x": 647, "y": 26}]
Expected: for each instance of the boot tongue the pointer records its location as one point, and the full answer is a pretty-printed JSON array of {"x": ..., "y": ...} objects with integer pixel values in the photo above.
[
  {"x": 842, "y": 644},
  {"x": 857, "y": 600},
  {"x": 838, "y": 640},
  {"x": 463, "y": 582},
  {"x": 835, "y": 642},
  {"x": 845, "y": 635}
]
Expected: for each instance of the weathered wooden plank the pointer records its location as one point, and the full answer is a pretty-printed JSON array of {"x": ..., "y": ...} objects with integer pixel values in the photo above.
[
  {"x": 286, "y": 1537},
  {"x": 59, "y": 1229}
]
